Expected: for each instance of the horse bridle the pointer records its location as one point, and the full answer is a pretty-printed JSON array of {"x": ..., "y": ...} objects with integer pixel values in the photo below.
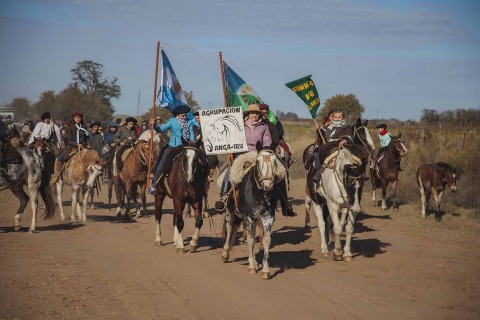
[
  {"x": 194, "y": 170},
  {"x": 266, "y": 159},
  {"x": 355, "y": 133},
  {"x": 400, "y": 152}
]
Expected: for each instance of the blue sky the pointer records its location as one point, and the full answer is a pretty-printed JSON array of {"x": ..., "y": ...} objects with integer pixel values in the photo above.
[{"x": 398, "y": 57}]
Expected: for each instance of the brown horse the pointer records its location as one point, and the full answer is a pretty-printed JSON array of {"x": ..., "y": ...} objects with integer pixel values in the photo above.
[
  {"x": 386, "y": 170},
  {"x": 134, "y": 174},
  {"x": 185, "y": 184},
  {"x": 432, "y": 179},
  {"x": 80, "y": 172}
]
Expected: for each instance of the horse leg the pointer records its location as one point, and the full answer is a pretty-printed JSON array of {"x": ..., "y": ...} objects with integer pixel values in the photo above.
[
  {"x": 333, "y": 208},
  {"x": 422, "y": 198},
  {"x": 321, "y": 226},
  {"x": 128, "y": 193},
  {"x": 75, "y": 192},
  {"x": 23, "y": 199},
  {"x": 33, "y": 191},
  {"x": 428, "y": 194},
  {"x": 374, "y": 187},
  {"x": 197, "y": 208},
  {"x": 143, "y": 189},
  {"x": 267, "y": 223},
  {"x": 85, "y": 191},
  {"x": 91, "y": 192},
  {"x": 347, "y": 255},
  {"x": 438, "y": 199},
  {"x": 394, "y": 198},
  {"x": 179, "y": 224},
  {"x": 138, "y": 213},
  {"x": 228, "y": 224},
  {"x": 110, "y": 191},
  {"x": 158, "y": 218},
  {"x": 260, "y": 229},
  {"x": 250, "y": 227},
  {"x": 384, "y": 193},
  {"x": 119, "y": 194},
  {"x": 59, "y": 186},
  {"x": 308, "y": 205}
]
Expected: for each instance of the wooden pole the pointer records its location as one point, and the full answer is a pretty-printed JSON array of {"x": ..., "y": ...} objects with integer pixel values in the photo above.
[
  {"x": 464, "y": 135},
  {"x": 446, "y": 137},
  {"x": 229, "y": 155},
  {"x": 152, "y": 125}
]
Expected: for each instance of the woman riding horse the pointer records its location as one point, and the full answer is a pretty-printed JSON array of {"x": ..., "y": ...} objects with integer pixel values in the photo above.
[{"x": 181, "y": 130}]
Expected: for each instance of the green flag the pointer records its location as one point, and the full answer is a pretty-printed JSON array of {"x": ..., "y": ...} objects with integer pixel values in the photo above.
[{"x": 305, "y": 89}]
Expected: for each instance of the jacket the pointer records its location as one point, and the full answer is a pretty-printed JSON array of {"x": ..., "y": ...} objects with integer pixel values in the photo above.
[
  {"x": 97, "y": 142},
  {"x": 257, "y": 131},
  {"x": 274, "y": 135},
  {"x": 76, "y": 136},
  {"x": 49, "y": 132},
  {"x": 109, "y": 138},
  {"x": 385, "y": 139},
  {"x": 176, "y": 131},
  {"x": 123, "y": 133}
]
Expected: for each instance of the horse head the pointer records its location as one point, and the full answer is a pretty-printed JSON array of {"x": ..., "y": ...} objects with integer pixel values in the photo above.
[
  {"x": 449, "y": 174},
  {"x": 361, "y": 135},
  {"x": 353, "y": 183},
  {"x": 94, "y": 166},
  {"x": 40, "y": 146},
  {"x": 269, "y": 168},
  {"x": 193, "y": 161},
  {"x": 398, "y": 145}
]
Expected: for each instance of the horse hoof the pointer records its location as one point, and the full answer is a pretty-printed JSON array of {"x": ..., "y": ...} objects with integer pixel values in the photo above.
[
  {"x": 337, "y": 257},
  {"x": 265, "y": 275},
  {"x": 241, "y": 240},
  {"x": 32, "y": 231},
  {"x": 347, "y": 259},
  {"x": 180, "y": 250},
  {"x": 193, "y": 248},
  {"x": 158, "y": 243},
  {"x": 307, "y": 226},
  {"x": 325, "y": 254},
  {"x": 17, "y": 227},
  {"x": 252, "y": 271},
  {"x": 395, "y": 209},
  {"x": 261, "y": 249}
]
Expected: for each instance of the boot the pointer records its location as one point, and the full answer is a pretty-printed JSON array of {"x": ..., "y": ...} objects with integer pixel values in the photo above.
[
  {"x": 211, "y": 171},
  {"x": 317, "y": 176},
  {"x": 4, "y": 172},
  {"x": 221, "y": 204},
  {"x": 57, "y": 171}
]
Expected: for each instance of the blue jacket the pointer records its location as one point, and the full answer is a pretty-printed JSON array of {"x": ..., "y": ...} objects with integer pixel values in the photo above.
[
  {"x": 176, "y": 131},
  {"x": 385, "y": 139}
]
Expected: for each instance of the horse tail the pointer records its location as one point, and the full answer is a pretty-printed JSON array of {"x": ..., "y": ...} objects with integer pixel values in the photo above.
[{"x": 47, "y": 196}]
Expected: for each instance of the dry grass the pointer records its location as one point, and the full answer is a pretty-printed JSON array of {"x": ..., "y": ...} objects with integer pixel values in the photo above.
[{"x": 436, "y": 147}]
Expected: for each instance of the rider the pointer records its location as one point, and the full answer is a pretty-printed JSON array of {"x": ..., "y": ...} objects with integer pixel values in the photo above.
[
  {"x": 109, "y": 137},
  {"x": 96, "y": 137},
  {"x": 271, "y": 127},
  {"x": 337, "y": 123},
  {"x": 46, "y": 129},
  {"x": 3, "y": 141},
  {"x": 124, "y": 138},
  {"x": 255, "y": 131},
  {"x": 76, "y": 137},
  {"x": 181, "y": 129},
  {"x": 385, "y": 137}
]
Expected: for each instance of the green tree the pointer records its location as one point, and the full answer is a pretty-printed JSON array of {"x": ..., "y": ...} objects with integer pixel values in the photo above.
[
  {"x": 348, "y": 103},
  {"x": 22, "y": 108},
  {"x": 430, "y": 116},
  {"x": 89, "y": 77}
]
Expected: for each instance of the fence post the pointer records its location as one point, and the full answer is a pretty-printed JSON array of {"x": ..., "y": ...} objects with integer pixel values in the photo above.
[
  {"x": 463, "y": 145},
  {"x": 446, "y": 138}
]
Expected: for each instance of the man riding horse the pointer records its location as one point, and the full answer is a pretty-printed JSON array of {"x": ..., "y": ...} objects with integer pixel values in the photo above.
[
  {"x": 124, "y": 138},
  {"x": 10, "y": 140},
  {"x": 76, "y": 137}
]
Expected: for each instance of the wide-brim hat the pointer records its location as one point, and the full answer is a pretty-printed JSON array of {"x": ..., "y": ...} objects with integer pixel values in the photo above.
[
  {"x": 252, "y": 108},
  {"x": 181, "y": 110},
  {"x": 77, "y": 114},
  {"x": 264, "y": 107},
  {"x": 113, "y": 124},
  {"x": 382, "y": 126},
  {"x": 95, "y": 123},
  {"x": 131, "y": 119}
]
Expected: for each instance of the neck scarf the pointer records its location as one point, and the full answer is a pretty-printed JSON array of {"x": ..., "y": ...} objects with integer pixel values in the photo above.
[
  {"x": 383, "y": 132},
  {"x": 339, "y": 123},
  {"x": 184, "y": 125},
  {"x": 79, "y": 127}
]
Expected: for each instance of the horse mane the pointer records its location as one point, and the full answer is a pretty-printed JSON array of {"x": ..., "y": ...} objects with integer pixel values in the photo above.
[
  {"x": 147, "y": 134},
  {"x": 444, "y": 167},
  {"x": 237, "y": 170}
]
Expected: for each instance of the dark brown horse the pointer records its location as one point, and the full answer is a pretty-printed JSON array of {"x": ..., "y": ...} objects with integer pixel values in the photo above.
[
  {"x": 432, "y": 179},
  {"x": 386, "y": 170},
  {"x": 134, "y": 174},
  {"x": 185, "y": 184}
]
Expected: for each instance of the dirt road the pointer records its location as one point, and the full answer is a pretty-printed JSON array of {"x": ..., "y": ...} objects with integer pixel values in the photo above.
[{"x": 403, "y": 268}]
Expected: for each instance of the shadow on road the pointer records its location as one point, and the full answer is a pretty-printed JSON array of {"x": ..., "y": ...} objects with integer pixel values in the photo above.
[{"x": 368, "y": 248}]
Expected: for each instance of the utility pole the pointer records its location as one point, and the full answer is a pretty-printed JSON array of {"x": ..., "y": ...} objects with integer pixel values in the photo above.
[{"x": 138, "y": 103}]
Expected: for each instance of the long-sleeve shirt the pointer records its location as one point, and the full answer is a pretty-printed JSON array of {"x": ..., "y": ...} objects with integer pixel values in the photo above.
[
  {"x": 46, "y": 131},
  {"x": 176, "y": 131},
  {"x": 257, "y": 132},
  {"x": 77, "y": 134}
]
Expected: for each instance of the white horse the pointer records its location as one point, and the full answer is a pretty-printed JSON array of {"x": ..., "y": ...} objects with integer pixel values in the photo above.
[
  {"x": 340, "y": 189},
  {"x": 82, "y": 171},
  {"x": 30, "y": 173}
]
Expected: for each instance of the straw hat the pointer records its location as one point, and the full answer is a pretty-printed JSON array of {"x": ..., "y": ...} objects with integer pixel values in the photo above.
[{"x": 252, "y": 108}]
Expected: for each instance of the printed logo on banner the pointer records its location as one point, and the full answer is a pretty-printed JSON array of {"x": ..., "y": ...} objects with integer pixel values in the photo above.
[{"x": 223, "y": 130}]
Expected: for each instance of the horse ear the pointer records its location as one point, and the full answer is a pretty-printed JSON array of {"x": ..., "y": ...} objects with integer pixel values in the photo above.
[
  {"x": 258, "y": 146},
  {"x": 365, "y": 123},
  {"x": 399, "y": 135},
  {"x": 359, "y": 122}
]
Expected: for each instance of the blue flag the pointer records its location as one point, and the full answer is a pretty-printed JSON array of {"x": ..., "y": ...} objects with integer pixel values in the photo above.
[{"x": 170, "y": 94}]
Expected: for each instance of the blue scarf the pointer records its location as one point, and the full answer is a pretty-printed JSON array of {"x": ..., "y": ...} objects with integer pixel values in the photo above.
[{"x": 184, "y": 125}]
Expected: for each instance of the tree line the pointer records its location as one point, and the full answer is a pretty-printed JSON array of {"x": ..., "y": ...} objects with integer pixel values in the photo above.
[{"x": 460, "y": 118}]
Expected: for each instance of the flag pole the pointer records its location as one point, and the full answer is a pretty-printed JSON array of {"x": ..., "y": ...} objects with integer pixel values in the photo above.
[
  {"x": 152, "y": 125},
  {"x": 229, "y": 155}
]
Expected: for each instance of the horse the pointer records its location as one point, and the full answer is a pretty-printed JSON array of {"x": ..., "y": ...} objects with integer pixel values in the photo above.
[
  {"x": 134, "y": 173},
  {"x": 108, "y": 153},
  {"x": 432, "y": 179},
  {"x": 253, "y": 203},
  {"x": 184, "y": 184},
  {"x": 385, "y": 170},
  {"x": 80, "y": 172},
  {"x": 340, "y": 190},
  {"x": 31, "y": 174},
  {"x": 285, "y": 153}
]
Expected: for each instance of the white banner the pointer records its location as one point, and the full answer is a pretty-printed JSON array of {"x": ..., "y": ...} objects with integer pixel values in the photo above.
[{"x": 223, "y": 130}]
